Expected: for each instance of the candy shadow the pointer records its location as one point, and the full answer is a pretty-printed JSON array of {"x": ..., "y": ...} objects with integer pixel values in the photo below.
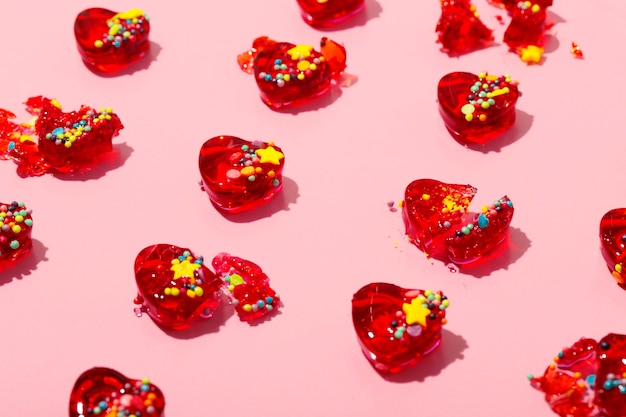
[
  {"x": 211, "y": 325},
  {"x": 523, "y": 123},
  {"x": 288, "y": 196},
  {"x": 141, "y": 65},
  {"x": 450, "y": 350},
  {"x": 26, "y": 266},
  {"x": 103, "y": 164},
  {"x": 325, "y": 100},
  {"x": 372, "y": 10}
]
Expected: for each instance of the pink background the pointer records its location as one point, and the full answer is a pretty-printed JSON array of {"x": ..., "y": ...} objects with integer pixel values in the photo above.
[{"x": 69, "y": 307}]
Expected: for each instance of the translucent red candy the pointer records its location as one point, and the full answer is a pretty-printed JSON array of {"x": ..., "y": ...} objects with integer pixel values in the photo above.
[
  {"x": 397, "y": 327},
  {"x": 512, "y": 4},
  {"x": 108, "y": 41},
  {"x": 587, "y": 379},
  {"x": 438, "y": 222},
  {"x": 459, "y": 29},
  {"x": 239, "y": 175},
  {"x": 613, "y": 242},
  {"x": 16, "y": 225},
  {"x": 248, "y": 286},
  {"x": 477, "y": 108},
  {"x": 526, "y": 32},
  {"x": 325, "y": 13},
  {"x": 175, "y": 288},
  {"x": 106, "y": 392},
  {"x": 66, "y": 143},
  {"x": 292, "y": 75}
]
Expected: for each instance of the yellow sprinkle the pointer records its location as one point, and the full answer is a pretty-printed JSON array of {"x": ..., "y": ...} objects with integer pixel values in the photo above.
[
  {"x": 484, "y": 209},
  {"x": 246, "y": 171},
  {"x": 167, "y": 291},
  {"x": 56, "y": 104},
  {"x": 303, "y": 65},
  {"x": 231, "y": 288},
  {"x": 199, "y": 291},
  {"x": 175, "y": 292},
  {"x": 400, "y": 204},
  {"x": 258, "y": 170},
  {"x": 25, "y": 138},
  {"x": 492, "y": 77},
  {"x": 98, "y": 44},
  {"x": 618, "y": 267},
  {"x": 126, "y": 34},
  {"x": 535, "y": 8},
  {"x": 301, "y": 76},
  {"x": 468, "y": 109},
  {"x": 271, "y": 174},
  {"x": 425, "y": 197},
  {"x": 236, "y": 279},
  {"x": 191, "y": 293},
  {"x": 482, "y": 75},
  {"x": 469, "y": 117},
  {"x": 68, "y": 144},
  {"x": 313, "y": 67},
  {"x": 129, "y": 14},
  {"x": 16, "y": 229},
  {"x": 287, "y": 77},
  {"x": 113, "y": 30},
  {"x": 247, "y": 308}
]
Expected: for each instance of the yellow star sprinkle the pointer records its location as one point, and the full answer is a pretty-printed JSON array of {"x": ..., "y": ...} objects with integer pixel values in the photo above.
[
  {"x": 415, "y": 312},
  {"x": 184, "y": 268},
  {"x": 270, "y": 155},
  {"x": 531, "y": 55},
  {"x": 300, "y": 51}
]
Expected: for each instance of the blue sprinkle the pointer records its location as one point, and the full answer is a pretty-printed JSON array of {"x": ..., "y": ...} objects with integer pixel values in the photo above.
[
  {"x": 275, "y": 183},
  {"x": 591, "y": 380},
  {"x": 483, "y": 221},
  {"x": 145, "y": 387},
  {"x": 58, "y": 131},
  {"x": 278, "y": 62},
  {"x": 260, "y": 303},
  {"x": 268, "y": 77},
  {"x": 560, "y": 354},
  {"x": 11, "y": 146},
  {"x": 608, "y": 384},
  {"x": 509, "y": 203},
  {"x": 181, "y": 258},
  {"x": 269, "y": 300},
  {"x": 103, "y": 404}
]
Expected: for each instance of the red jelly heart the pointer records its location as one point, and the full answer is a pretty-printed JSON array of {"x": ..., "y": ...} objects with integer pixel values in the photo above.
[
  {"x": 292, "y": 75},
  {"x": 174, "y": 286},
  {"x": 67, "y": 143},
  {"x": 436, "y": 218},
  {"x": 477, "y": 108},
  {"x": 587, "y": 379},
  {"x": 108, "y": 393},
  {"x": 249, "y": 287},
  {"x": 326, "y": 13},
  {"x": 526, "y": 32},
  {"x": 239, "y": 175},
  {"x": 397, "y": 327},
  {"x": 613, "y": 242},
  {"x": 15, "y": 233},
  {"x": 459, "y": 29},
  {"x": 108, "y": 41}
]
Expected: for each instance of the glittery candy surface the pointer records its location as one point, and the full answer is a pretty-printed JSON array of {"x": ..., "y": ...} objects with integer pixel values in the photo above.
[
  {"x": 106, "y": 392},
  {"x": 15, "y": 233},
  {"x": 327, "y": 13},
  {"x": 613, "y": 242},
  {"x": 397, "y": 327},
  {"x": 438, "y": 222},
  {"x": 175, "y": 288},
  {"x": 460, "y": 30},
  {"x": 108, "y": 41},
  {"x": 477, "y": 108},
  {"x": 292, "y": 75},
  {"x": 57, "y": 142},
  {"x": 240, "y": 175}
]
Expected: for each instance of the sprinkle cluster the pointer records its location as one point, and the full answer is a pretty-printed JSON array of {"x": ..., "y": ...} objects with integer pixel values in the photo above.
[
  {"x": 298, "y": 67},
  {"x": 15, "y": 219},
  {"x": 487, "y": 213},
  {"x": 412, "y": 319},
  {"x": 249, "y": 160},
  {"x": 483, "y": 94},
  {"x": 124, "y": 403},
  {"x": 68, "y": 134},
  {"x": 525, "y": 5},
  {"x": 233, "y": 279},
  {"x": 123, "y": 27},
  {"x": 184, "y": 268}
]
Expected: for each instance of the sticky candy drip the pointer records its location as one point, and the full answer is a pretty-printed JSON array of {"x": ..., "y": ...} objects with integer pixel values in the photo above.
[
  {"x": 397, "y": 327},
  {"x": 477, "y": 108},
  {"x": 106, "y": 392},
  {"x": 239, "y": 175},
  {"x": 613, "y": 242},
  {"x": 459, "y": 28},
  {"x": 57, "y": 142},
  {"x": 526, "y": 32},
  {"x": 108, "y": 41},
  {"x": 325, "y": 13},
  {"x": 293, "y": 75},
  {"x": 587, "y": 379},
  {"x": 16, "y": 225},
  {"x": 437, "y": 221}
]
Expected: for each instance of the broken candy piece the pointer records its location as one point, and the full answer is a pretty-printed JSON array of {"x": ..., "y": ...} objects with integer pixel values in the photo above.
[
  {"x": 397, "y": 327},
  {"x": 613, "y": 242},
  {"x": 459, "y": 29},
  {"x": 587, "y": 379},
  {"x": 239, "y": 175},
  {"x": 175, "y": 288},
  {"x": 15, "y": 233},
  {"x": 510, "y": 5},
  {"x": 106, "y": 392},
  {"x": 248, "y": 286},
  {"x": 526, "y": 32},
  {"x": 477, "y": 108},
  {"x": 57, "y": 142},
  {"x": 108, "y": 41},
  {"x": 325, "y": 13},
  {"x": 293, "y": 75},
  {"x": 437, "y": 221}
]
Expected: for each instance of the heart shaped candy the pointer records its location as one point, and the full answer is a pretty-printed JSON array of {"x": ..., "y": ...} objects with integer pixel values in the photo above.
[
  {"x": 108, "y": 41},
  {"x": 239, "y": 175},
  {"x": 248, "y": 285},
  {"x": 459, "y": 29},
  {"x": 613, "y": 242},
  {"x": 325, "y": 13},
  {"x": 435, "y": 215},
  {"x": 477, "y": 108},
  {"x": 16, "y": 225},
  {"x": 67, "y": 143},
  {"x": 397, "y": 327},
  {"x": 106, "y": 392},
  {"x": 291, "y": 75},
  {"x": 174, "y": 286}
]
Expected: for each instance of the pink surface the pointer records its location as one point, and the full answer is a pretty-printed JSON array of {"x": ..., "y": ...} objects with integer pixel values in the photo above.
[{"x": 69, "y": 306}]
